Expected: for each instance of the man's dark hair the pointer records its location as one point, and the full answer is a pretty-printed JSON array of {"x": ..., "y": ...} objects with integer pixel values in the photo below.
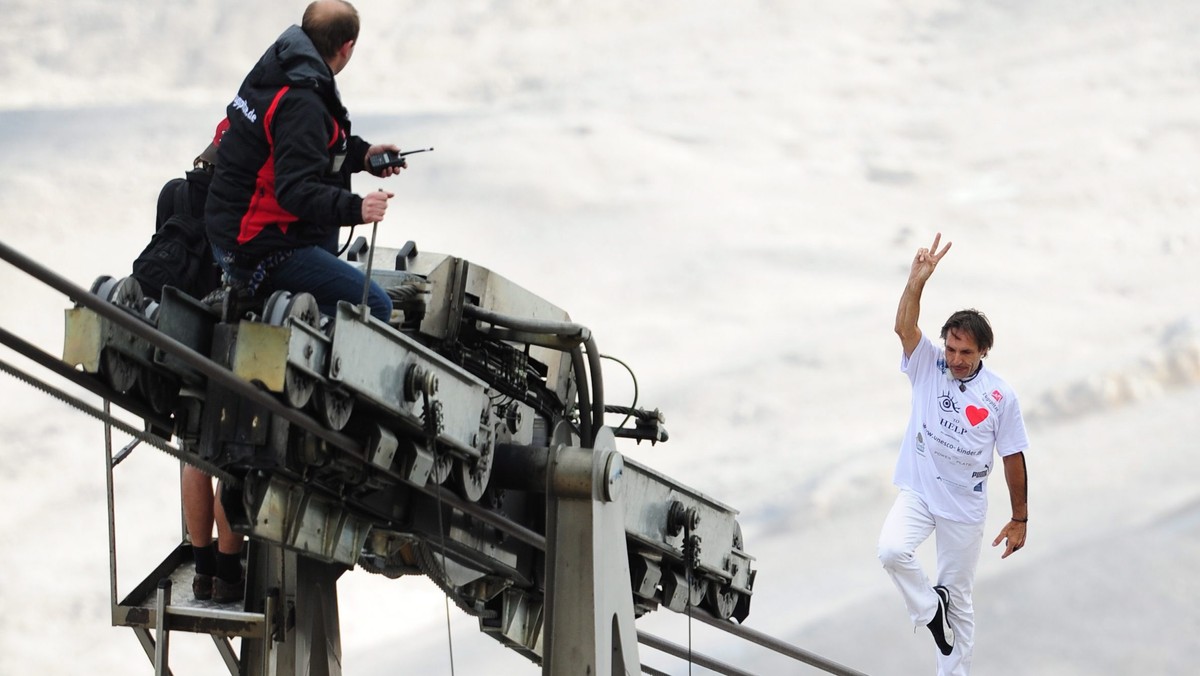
[
  {"x": 330, "y": 28},
  {"x": 974, "y": 324}
]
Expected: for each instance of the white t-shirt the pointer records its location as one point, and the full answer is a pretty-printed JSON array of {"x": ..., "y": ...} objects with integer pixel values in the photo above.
[{"x": 946, "y": 456}]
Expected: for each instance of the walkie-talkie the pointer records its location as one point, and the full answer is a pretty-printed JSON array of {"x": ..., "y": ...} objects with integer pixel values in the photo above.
[{"x": 388, "y": 158}]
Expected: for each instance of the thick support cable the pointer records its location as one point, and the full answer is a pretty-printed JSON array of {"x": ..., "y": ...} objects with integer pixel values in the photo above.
[
  {"x": 108, "y": 419},
  {"x": 85, "y": 380},
  {"x": 771, "y": 643},
  {"x": 684, "y": 653}
]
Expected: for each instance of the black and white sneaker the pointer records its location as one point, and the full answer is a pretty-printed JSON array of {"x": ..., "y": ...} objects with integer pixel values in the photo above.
[{"x": 943, "y": 635}]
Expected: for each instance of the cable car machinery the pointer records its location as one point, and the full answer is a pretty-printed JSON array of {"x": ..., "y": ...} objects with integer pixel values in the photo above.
[{"x": 464, "y": 440}]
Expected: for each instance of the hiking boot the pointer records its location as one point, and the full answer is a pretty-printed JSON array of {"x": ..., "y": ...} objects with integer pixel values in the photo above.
[
  {"x": 943, "y": 635},
  {"x": 228, "y": 592},
  {"x": 231, "y": 302},
  {"x": 202, "y": 587},
  {"x": 216, "y": 297}
]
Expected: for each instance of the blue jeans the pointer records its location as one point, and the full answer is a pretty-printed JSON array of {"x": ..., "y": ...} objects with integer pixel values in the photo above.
[{"x": 314, "y": 270}]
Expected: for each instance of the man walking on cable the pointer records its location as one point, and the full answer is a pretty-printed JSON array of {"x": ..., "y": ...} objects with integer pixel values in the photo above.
[{"x": 961, "y": 413}]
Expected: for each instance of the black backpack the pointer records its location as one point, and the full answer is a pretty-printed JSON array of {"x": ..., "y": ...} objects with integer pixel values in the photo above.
[{"x": 178, "y": 254}]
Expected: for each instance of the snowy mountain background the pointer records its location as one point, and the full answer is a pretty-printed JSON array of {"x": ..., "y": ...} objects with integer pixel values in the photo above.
[{"x": 729, "y": 196}]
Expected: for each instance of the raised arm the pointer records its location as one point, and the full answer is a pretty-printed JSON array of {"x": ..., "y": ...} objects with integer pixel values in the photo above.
[{"x": 909, "y": 310}]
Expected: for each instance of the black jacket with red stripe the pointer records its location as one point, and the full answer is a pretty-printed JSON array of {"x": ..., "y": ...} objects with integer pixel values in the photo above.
[{"x": 283, "y": 167}]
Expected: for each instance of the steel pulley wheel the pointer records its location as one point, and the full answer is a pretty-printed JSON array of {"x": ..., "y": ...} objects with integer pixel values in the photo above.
[
  {"x": 443, "y": 467},
  {"x": 119, "y": 370},
  {"x": 160, "y": 391},
  {"x": 298, "y": 387},
  {"x": 273, "y": 309},
  {"x": 98, "y": 284},
  {"x": 125, "y": 292},
  {"x": 699, "y": 589},
  {"x": 103, "y": 286},
  {"x": 299, "y": 306},
  {"x": 471, "y": 477},
  {"x": 333, "y": 407},
  {"x": 720, "y": 600}
]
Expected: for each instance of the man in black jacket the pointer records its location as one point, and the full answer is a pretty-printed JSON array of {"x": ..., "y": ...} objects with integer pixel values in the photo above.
[{"x": 282, "y": 186}]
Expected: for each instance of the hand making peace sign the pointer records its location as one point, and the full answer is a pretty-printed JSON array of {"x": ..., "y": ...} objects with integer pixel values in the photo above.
[{"x": 927, "y": 259}]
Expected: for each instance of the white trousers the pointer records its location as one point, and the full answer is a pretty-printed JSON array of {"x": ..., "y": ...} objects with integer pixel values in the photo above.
[{"x": 958, "y": 547}]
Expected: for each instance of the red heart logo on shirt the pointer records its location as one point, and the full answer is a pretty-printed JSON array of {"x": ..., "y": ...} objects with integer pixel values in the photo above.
[{"x": 976, "y": 415}]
